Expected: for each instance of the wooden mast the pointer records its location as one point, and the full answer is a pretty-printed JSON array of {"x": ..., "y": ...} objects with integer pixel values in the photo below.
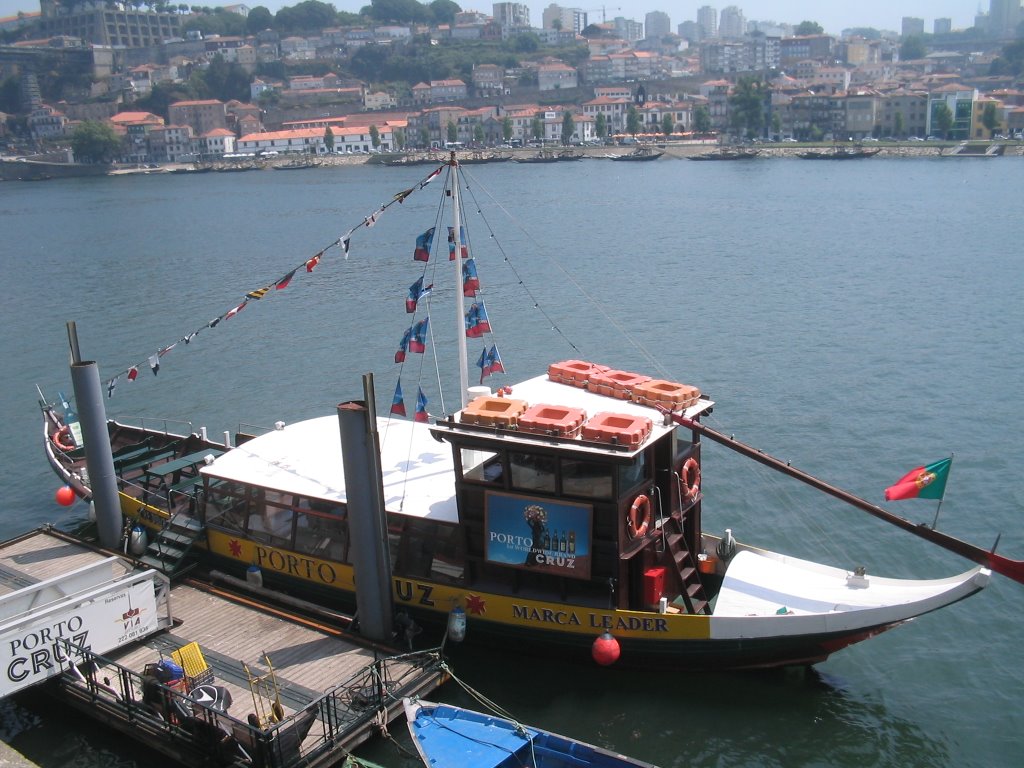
[{"x": 1013, "y": 569}]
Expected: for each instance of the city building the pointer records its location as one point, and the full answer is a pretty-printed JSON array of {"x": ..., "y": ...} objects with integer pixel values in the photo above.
[
  {"x": 202, "y": 115},
  {"x": 707, "y": 20},
  {"x": 96, "y": 23},
  {"x": 569, "y": 19},
  {"x": 1003, "y": 17},
  {"x": 657, "y": 24},
  {"x": 731, "y": 23},
  {"x": 911, "y": 26},
  {"x": 511, "y": 15},
  {"x": 942, "y": 26}
]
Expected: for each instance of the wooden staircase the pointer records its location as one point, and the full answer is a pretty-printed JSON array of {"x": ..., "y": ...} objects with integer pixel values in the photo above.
[
  {"x": 170, "y": 547},
  {"x": 693, "y": 593}
]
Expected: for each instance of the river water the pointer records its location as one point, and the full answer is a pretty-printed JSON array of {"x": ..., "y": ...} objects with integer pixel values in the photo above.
[{"x": 857, "y": 319}]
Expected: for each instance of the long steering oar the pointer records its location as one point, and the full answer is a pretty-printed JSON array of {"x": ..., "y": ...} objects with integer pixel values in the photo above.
[{"x": 1013, "y": 569}]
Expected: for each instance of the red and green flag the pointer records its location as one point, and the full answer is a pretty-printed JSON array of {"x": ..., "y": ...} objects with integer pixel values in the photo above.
[{"x": 928, "y": 482}]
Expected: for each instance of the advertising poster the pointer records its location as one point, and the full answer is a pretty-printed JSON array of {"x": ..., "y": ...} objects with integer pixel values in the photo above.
[{"x": 539, "y": 535}]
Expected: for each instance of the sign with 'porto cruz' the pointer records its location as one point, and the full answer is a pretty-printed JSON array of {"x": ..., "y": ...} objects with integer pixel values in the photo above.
[
  {"x": 38, "y": 648},
  {"x": 539, "y": 535}
]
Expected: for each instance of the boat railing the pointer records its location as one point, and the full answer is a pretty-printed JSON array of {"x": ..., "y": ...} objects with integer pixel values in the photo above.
[
  {"x": 253, "y": 429},
  {"x": 158, "y": 424},
  {"x": 301, "y": 738}
]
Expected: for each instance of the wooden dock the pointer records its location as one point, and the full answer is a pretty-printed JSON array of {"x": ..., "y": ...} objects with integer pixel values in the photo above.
[{"x": 296, "y": 690}]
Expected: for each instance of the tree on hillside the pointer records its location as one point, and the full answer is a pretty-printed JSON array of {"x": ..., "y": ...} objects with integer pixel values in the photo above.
[
  {"x": 632, "y": 120},
  {"x": 990, "y": 118},
  {"x": 444, "y": 11},
  {"x": 601, "y": 125},
  {"x": 912, "y": 48},
  {"x": 506, "y": 128},
  {"x": 307, "y": 16},
  {"x": 329, "y": 139},
  {"x": 453, "y": 132},
  {"x": 746, "y": 106},
  {"x": 701, "y": 119},
  {"x": 398, "y": 11},
  {"x": 942, "y": 117},
  {"x": 667, "y": 124},
  {"x": 537, "y": 128},
  {"x": 259, "y": 19},
  {"x": 568, "y": 127},
  {"x": 808, "y": 28},
  {"x": 897, "y": 125},
  {"x": 95, "y": 142},
  {"x": 375, "y": 137},
  {"x": 1010, "y": 61}
]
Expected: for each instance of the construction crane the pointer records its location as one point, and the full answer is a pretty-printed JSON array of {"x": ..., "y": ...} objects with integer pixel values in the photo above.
[{"x": 602, "y": 9}]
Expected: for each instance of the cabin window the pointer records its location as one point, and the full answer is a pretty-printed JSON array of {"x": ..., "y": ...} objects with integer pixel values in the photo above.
[
  {"x": 322, "y": 532},
  {"x": 633, "y": 474},
  {"x": 532, "y": 472},
  {"x": 481, "y": 466},
  {"x": 225, "y": 505},
  {"x": 270, "y": 520},
  {"x": 590, "y": 479},
  {"x": 429, "y": 550}
]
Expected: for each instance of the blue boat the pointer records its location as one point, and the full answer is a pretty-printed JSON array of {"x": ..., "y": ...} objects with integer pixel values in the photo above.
[{"x": 447, "y": 736}]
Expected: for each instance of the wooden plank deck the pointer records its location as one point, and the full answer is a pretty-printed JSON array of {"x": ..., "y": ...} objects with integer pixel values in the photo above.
[{"x": 233, "y": 633}]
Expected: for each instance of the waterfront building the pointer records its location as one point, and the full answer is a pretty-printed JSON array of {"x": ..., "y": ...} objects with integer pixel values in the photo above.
[
  {"x": 203, "y": 115},
  {"x": 960, "y": 100}
]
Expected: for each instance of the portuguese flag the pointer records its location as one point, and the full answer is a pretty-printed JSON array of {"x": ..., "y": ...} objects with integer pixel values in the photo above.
[{"x": 921, "y": 483}]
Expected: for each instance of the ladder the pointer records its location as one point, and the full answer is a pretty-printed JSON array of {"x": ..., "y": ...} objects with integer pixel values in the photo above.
[
  {"x": 693, "y": 594},
  {"x": 171, "y": 545}
]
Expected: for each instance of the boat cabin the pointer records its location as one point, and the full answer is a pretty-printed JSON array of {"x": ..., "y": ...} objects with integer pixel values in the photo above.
[{"x": 552, "y": 491}]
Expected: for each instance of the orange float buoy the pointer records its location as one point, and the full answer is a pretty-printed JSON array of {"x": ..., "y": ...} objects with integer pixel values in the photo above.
[
  {"x": 65, "y": 496},
  {"x": 605, "y": 650}
]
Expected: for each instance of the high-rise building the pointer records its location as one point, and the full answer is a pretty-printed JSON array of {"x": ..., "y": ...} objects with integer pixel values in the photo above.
[
  {"x": 570, "y": 19},
  {"x": 943, "y": 26},
  {"x": 657, "y": 24},
  {"x": 690, "y": 30},
  {"x": 1003, "y": 17},
  {"x": 707, "y": 20},
  {"x": 513, "y": 15},
  {"x": 732, "y": 24},
  {"x": 912, "y": 27}
]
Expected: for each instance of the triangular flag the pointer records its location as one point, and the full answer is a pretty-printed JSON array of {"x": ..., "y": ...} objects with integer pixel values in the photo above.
[
  {"x": 494, "y": 361},
  {"x": 398, "y": 402},
  {"x": 403, "y": 346},
  {"x": 421, "y": 406},
  {"x": 311, "y": 264},
  {"x": 236, "y": 310},
  {"x": 345, "y": 241},
  {"x": 400, "y": 197},
  {"x": 423, "y": 245},
  {"x": 154, "y": 364},
  {"x": 482, "y": 364},
  {"x": 213, "y": 323},
  {"x": 430, "y": 178},
  {"x": 416, "y": 292},
  {"x": 259, "y": 293},
  {"x": 167, "y": 349},
  {"x": 283, "y": 282},
  {"x": 477, "y": 323},
  {"x": 111, "y": 386},
  {"x": 188, "y": 337},
  {"x": 470, "y": 280},
  {"x": 418, "y": 341},
  {"x": 462, "y": 243},
  {"x": 133, "y": 373}
]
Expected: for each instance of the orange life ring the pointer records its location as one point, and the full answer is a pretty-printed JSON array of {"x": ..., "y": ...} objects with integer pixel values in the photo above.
[
  {"x": 639, "y": 518},
  {"x": 689, "y": 475},
  {"x": 62, "y": 438}
]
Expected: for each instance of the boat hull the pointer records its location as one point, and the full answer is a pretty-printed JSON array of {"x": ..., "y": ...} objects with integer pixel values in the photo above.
[{"x": 446, "y": 735}]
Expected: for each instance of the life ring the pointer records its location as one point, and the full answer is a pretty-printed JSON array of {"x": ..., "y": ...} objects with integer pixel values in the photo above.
[
  {"x": 689, "y": 475},
  {"x": 639, "y": 518},
  {"x": 62, "y": 438}
]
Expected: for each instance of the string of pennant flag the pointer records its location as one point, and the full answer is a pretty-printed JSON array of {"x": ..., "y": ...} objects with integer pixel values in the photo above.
[
  {"x": 308, "y": 265},
  {"x": 414, "y": 340}
]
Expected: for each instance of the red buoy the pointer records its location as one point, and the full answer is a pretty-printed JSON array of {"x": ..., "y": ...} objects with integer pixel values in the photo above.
[
  {"x": 605, "y": 650},
  {"x": 65, "y": 496}
]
